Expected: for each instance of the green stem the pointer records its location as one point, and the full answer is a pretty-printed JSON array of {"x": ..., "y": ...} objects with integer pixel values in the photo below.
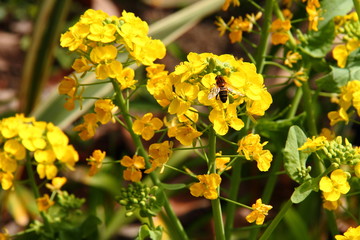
[
  {"x": 295, "y": 103},
  {"x": 233, "y": 195},
  {"x": 215, "y": 204},
  {"x": 309, "y": 108},
  {"x": 261, "y": 51},
  {"x": 121, "y": 103},
  {"x": 35, "y": 190},
  {"x": 275, "y": 222}
]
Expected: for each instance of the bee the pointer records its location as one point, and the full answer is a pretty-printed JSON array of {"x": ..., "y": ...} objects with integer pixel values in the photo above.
[{"x": 221, "y": 89}]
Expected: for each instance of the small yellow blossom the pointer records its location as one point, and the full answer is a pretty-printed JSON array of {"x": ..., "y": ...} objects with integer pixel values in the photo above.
[
  {"x": 185, "y": 134},
  {"x": 95, "y": 161},
  {"x": 45, "y": 163},
  {"x": 334, "y": 186},
  {"x": 126, "y": 78},
  {"x": 133, "y": 166},
  {"x": 313, "y": 144},
  {"x": 260, "y": 211},
  {"x": 44, "y": 203},
  {"x": 222, "y": 119},
  {"x": 102, "y": 33},
  {"x": 159, "y": 154},
  {"x": 330, "y": 205},
  {"x": 329, "y": 134},
  {"x": 103, "y": 108},
  {"x": 226, "y": 5},
  {"x": 237, "y": 27},
  {"x": 6, "y": 180},
  {"x": 222, "y": 26},
  {"x": 279, "y": 29},
  {"x": 313, "y": 11},
  {"x": 88, "y": 128},
  {"x": 350, "y": 234},
  {"x": 56, "y": 183},
  {"x": 81, "y": 65},
  {"x": 147, "y": 125},
  {"x": 207, "y": 187},
  {"x": 220, "y": 162},
  {"x": 251, "y": 148},
  {"x": 292, "y": 57},
  {"x": 338, "y": 116}
]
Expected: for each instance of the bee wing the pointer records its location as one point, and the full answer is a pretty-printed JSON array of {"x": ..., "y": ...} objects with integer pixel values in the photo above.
[
  {"x": 213, "y": 92},
  {"x": 235, "y": 92}
]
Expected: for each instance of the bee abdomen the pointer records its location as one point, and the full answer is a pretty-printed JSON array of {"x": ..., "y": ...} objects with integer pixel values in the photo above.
[{"x": 223, "y": 94}]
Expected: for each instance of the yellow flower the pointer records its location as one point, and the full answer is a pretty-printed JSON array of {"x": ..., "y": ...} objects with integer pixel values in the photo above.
[
  {"x": 56, "y": 183},
  {"x": 44, "y": 203},
  {"x": 133, "y": 166},
  {"x": 237, "y": 27},
  {"x": 81, "y": 65},
  {"x": 102, "y": 33},
  {"x": 95, "y": 161},
  {"x": 222, "y": 26},
  {"x": 330, "y": 205},
  {"x": 45, "y": 163},
  {"x": 350, "y": 234},
  {"x": 338, "y": 116},
  {"x": 91, "y": 16},
  {"x": 126, "y": 78},
  {"x": 159, "y": 84},
  {"x": 334, "y": 186},
  {"x": 223, "y": 119},
  {"x": 185, "y": 134},
  {"x": 226, "y": 5},
  {"x": 313, "y": 13},
  {"x": 279, "y": 31},
  {"x": 185, "y": 94},
  {"x": 67, "y": 85},
  {"x": 292, "y": 57},
  {"x": 103, "y": 108},
  {"x": 329, "y": 134},
  {"x": 340, "y": 54},
  {"x": 74, "y": 38},
  {"x": 88, "y": 128},
  {"x": 12, "y": 126},
  {"x": 260, "y": 211},
  {"x": 14, "y": 149},
  {"x": 146, "y": 126},
  {"x": 220, "y": 162},
  {"x": 251, "y": 148},
  {"x": 313, "y": 144},
  {"x": 207, "y": 186},
  {"x": 6, "y": 180},
  {"x": 159, "y": 154}
]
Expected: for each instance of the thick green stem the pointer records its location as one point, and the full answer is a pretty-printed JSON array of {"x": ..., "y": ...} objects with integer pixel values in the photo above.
[
  {"x": 309, "y": 108},
  {"x": 261, "y": 50},
  {"x": 215, "y": 204},
  {"x": 121, "y": 103}
]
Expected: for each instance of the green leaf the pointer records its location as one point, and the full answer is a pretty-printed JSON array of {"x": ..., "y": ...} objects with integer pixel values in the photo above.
[
  {"x": 319, "y": 43},
  {"x": 295, "y": 160},
  {"x": 332, "y": 8},
  {"x": 338, "y": 77},
  {"x": 268, "y": 128},
  {"x": 302, "y": 191},
  {"x": 173, "y": 186}
]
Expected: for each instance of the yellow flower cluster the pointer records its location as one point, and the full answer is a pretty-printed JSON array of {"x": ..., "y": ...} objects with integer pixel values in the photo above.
[
  {"x": 99, "y": 38},
  {"x": 349, "y": 96},
  {"x": 348, "y": 27},
  {"x": 133, "y": 166},
  {"x": 236, "y": 26},
  {"x": 194, "y": 83},
  {"x": 251, "y": 148},
  {"x": 47, "y": 142}
]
